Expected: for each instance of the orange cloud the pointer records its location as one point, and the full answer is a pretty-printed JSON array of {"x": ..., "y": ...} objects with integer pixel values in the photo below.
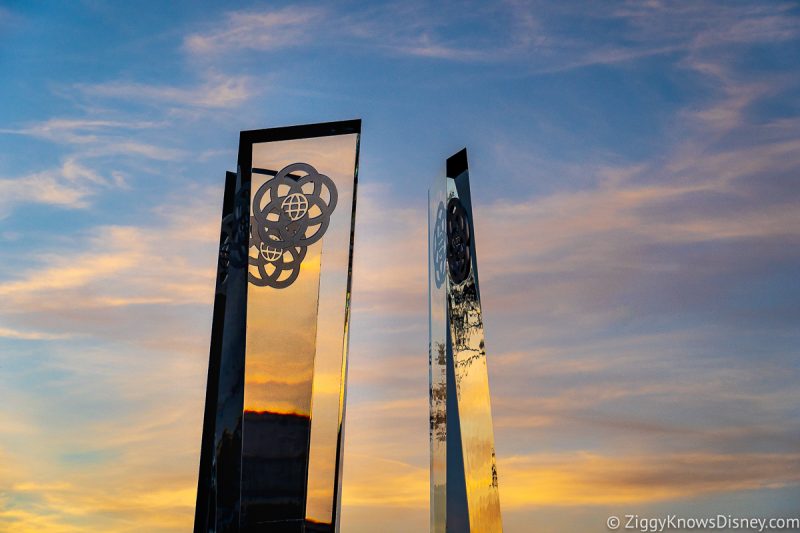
[{"x": 586, "y": 478}]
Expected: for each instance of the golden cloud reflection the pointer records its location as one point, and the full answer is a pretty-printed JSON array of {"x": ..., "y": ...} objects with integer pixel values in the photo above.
[{"x": 281, "y": 338}]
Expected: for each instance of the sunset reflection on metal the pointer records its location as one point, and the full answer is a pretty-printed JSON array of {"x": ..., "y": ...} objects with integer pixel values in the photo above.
[
  {"x": 273, "y": 427},
  {"x": 464, "y": 493}
]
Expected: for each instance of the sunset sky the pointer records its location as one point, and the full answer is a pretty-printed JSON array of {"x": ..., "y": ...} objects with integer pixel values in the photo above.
[{"x": 635, "y": 169}]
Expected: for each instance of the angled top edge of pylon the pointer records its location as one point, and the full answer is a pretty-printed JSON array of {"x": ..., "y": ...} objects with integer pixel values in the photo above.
[{"x": 457, "y": 164}]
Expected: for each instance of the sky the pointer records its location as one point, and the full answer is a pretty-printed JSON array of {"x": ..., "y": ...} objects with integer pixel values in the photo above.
[{"x": 634, "y": 168}]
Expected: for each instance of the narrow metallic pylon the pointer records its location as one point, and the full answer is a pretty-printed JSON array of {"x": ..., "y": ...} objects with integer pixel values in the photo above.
[
  {"x": 271, "y": 457},
  {"x": 464, "y": 493}
]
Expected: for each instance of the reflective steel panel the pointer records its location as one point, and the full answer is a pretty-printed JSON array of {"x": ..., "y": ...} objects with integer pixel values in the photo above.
[
  {"x": 217, "y": 499},
  {"x": 464, "y": 493},
  {"x": 298, "y": 192},
  {"x": 437, "y": 338},
  {"x": 227, "y": 345}
]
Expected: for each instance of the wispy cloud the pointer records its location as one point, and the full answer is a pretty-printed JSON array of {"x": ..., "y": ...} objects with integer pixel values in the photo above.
[
  {"x": 427, "y": 46},
  {"x": 258, "y": 30},
  {"x": 390, "y": 266},
  {"x": 513, "y": 31},
  {"x": 77, "y": 130},
  {"x": 90, "y": 139},
  {"x": 78, "y": 276},
  {"x": 644, "y": 29},
  {"x": 29, "y": 335},
  {"x": 217, "y": 91},
  {"x": 622, "y": 34},
  {"x": 71, "y": 185},
  {"x": 707, "y": 23},
  {"x": 371, "y": 26},
  {"x": 591, "y": 479}
]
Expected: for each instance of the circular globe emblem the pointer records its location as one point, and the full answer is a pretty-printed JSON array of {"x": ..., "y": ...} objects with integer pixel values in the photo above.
[
  {"x": 291, "y": 212},
  {"x": 270, "y": 254},
  {"x": 440, "y": 246},
  {"x": 459, "y": 259},
  {"x": 295, "y": 205}
]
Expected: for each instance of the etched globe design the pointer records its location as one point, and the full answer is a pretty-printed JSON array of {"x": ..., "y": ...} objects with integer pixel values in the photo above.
[
  {"x": 283, "y": 209},
  {"x": 270, "y": 254},
  {"x": 295, "y": 205}
]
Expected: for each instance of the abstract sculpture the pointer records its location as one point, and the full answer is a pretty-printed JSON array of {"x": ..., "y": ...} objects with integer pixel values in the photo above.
[
  {"x": 273, "y": 427},
  {"x": 464, "y": 495}
]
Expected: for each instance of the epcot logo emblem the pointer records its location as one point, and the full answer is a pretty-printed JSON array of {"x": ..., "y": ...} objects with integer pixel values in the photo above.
[
  {"x": 451, "y": 243},
  {"x": 291, "y": 211},
  {"x": 439, "y": 246},
  {"x": 459, "y": 240}
]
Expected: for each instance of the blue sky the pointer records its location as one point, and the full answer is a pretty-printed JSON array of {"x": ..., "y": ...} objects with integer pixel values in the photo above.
[{"x": 635, "y": 176}]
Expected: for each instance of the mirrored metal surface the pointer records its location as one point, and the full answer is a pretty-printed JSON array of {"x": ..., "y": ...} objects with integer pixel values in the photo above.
[
  {"x": 281, "y": 334},
  {"x": 298, "y": 302},
  {"x": 227, "y": 362},
  {"x": 464, "y": 488},
  {"x": 205, "y": 515},
  {"x": 437, "y": 327}
]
